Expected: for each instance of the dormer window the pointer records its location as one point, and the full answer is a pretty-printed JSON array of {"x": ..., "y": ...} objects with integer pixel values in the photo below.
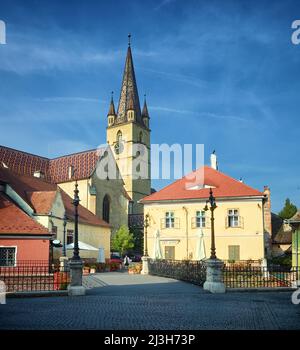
[
  {"x": 130, "y": 115},
  {"x": 71, "y": 172},
  {"x": 39, "y": 174}
]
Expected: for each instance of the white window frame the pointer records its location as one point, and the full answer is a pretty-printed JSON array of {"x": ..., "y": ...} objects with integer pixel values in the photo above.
[
  {"x": 169, "y": 219},
  {"x": 200, "y": 219},
  {"x": 234, "y": 215},
  {"x": 15, "y": 258}
]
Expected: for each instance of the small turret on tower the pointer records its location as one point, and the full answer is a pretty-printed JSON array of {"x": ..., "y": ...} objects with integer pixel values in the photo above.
[
  {"x": 145, "y": 113},
  {"x": 111, "y": 115}
]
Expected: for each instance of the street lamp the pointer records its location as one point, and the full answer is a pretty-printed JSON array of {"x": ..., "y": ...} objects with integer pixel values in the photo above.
[
  {"x": 212, "y": 201},
  {"x": 146, "y": 225},
  {"x": 75, "y": 202},
  {"x": 64, "y": 238}
]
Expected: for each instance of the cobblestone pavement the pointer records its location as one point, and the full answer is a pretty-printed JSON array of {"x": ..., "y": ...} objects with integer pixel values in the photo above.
[{"x": 122, "y": 301}]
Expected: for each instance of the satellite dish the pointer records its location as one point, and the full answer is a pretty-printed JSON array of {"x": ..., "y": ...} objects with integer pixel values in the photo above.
[{"x": 56, "y": 242}]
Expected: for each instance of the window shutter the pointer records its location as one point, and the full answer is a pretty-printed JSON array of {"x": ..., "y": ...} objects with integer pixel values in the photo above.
[
  {"x": 193, "y": 222},
  {"x": 241, "y": 222},
  {"x": 177, "y": 223},
  {"x": 163, "y": 223},
  {"x": 226, "y": 221}
]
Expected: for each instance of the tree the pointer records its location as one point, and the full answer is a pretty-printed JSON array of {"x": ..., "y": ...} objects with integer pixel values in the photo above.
[
  {"x": 123, "y": 240},
  {"x": 288, "y": 210}
]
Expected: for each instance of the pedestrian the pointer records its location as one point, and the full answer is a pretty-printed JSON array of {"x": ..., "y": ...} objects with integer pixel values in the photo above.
[{"x": 126, "y": 261}]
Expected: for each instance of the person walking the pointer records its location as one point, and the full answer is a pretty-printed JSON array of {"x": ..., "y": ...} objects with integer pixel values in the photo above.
[{"x": 126, "y": 261}]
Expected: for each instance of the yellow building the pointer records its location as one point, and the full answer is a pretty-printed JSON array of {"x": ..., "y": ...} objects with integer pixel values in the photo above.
[{"x": 180, "y": 228}]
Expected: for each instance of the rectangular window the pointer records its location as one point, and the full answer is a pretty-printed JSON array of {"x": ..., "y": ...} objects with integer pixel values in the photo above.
[
  {"x": 200, "y": 218},
  {"x": 234, "y": 252},
  {"x": 169, "y": 253},
  {"x": 169, "y": 219},
  {"x": 70, "y": 237},
  {"x": 7, "y": 256},
  {"x": 233, "y": 218}
]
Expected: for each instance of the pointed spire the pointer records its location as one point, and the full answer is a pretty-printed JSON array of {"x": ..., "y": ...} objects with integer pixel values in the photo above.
[
  {"x": 130, "y": 103},
  {"x": 129, "y": 89},
  {"x": 145, "y": 109},
  {"x": 112, "y": 105}
]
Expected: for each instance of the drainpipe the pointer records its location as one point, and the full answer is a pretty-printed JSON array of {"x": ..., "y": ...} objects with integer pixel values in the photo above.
[{"x": 186, "y": 232}]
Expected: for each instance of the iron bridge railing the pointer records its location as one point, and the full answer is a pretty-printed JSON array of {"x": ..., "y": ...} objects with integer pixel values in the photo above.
[
  {"x": 239, "y": 274},
  {"x": 31, "y": 275},
  {"x": 260, "y": 277},
  {"x": 184, "y": 270}
]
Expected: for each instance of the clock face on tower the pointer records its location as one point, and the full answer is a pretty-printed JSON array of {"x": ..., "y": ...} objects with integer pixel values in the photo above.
[{"x": 119, "y": 147}]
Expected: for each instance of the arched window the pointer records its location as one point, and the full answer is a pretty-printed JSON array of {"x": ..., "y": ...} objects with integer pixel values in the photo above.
[
  {"x": 140, "y": 137},
  {"x": 105, "y": 208},
  {"x": 119, "y": 136}
]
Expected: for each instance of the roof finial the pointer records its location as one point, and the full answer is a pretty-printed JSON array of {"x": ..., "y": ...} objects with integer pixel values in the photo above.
[
  {"x": 112, "y": 96},
  {"x": 129, "y": 37},
  {"x": 145, "y": 97}
]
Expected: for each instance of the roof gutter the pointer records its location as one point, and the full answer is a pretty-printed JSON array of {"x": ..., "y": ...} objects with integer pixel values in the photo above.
[{"x": 161, "y": 201}]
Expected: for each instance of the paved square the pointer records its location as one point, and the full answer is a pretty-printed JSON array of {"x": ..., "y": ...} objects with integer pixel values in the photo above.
[{"x": 121, "y": 301}]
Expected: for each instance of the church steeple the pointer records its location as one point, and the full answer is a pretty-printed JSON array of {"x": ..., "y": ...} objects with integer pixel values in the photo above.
[
  {"x": 129, "y": 93},
  {"x": 127, "y": 133}
]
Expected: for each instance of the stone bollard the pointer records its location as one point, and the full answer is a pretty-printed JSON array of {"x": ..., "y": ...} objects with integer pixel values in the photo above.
[
  {"x": 2, "y": 292},
  {"x": 76, "y": 288},
  {"x": 145, "y": 269},
  {"x": 214, "y": 282}
]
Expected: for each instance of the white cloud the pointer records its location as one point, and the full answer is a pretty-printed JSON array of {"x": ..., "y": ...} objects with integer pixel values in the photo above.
[{"x": 202, "y": 114}]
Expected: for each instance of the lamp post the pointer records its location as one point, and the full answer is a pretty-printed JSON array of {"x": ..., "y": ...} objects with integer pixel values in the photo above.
[
  {"x": 146, "y": 225},
  {"x": 212, "y": 201},
  {"x": 145, "y": 258},
  {"x": 76, "y": 264},
  {"x": 64, "y": 238},
  {"x": 75, "y": 202},
  {"x": 214, "y": 280}
]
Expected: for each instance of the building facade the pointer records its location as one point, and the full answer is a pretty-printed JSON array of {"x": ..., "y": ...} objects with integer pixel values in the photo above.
[
  {"x": 46, "y": 206},
  {"x": 179, "y": 222}
]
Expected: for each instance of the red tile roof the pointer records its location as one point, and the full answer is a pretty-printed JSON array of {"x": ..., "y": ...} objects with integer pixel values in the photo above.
[
  {"x": 40, "y": 194},
  {"x": 222, "y": 185},
  {"x": 22, "y": 162},
  {"x": 85, "y": 216},
  {"x": 14, "y": 221},
  {"x": 41, "y": 201},
  {"x": 83, "y": 162},
  {"x": 55, "y": 170}
]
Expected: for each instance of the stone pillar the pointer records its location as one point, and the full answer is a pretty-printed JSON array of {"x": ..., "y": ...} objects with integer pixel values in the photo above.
[
  {"x": 145, "y": 269},
  {"x": 267, "y": 220},
  {"x": 214, "y": 282},
  {"x": 76, "y": 288}
]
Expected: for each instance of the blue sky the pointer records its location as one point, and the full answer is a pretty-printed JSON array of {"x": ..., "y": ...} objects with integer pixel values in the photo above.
[{"x": 224, "y": 74}]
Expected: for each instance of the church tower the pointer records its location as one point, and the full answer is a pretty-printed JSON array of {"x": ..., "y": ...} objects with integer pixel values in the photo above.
[{"x": 128, "y": 134}]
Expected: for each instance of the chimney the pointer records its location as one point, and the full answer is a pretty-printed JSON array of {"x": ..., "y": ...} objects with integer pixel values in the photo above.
[
  {"x": 213, "y": 161},
  {"x": 39, "y": 174},
  {"x": 267, "y": 219}
]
